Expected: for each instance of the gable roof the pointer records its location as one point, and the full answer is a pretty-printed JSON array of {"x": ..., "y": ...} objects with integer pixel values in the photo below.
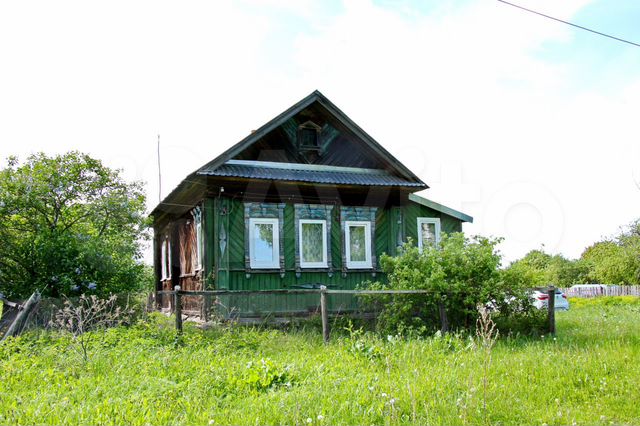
[
  {"x": 394, "y": 174},
  {"x": 396, "y": 166}
]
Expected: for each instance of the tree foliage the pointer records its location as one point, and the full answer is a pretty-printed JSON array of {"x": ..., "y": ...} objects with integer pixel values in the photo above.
[
  {"x": 543, "y": 269},
  {"x": 67, "y": 222},
  {"x": 614, "y": 261}
]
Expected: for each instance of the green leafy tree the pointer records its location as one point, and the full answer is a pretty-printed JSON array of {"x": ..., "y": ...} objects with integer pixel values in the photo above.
[
  {"x": 68, "y": 223},
  {"x": 612, "y": 262},
  {"x": 542, "y": 269},
  {"x": 616, "y": 260}
]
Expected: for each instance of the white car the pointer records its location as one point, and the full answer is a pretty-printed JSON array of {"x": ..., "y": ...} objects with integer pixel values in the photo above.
[{"x": 540, "y": 299}]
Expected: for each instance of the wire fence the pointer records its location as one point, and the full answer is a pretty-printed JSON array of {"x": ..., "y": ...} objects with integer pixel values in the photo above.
[
  {"x": 323, "y": 301},
  {"x": 263, "y": 305}
]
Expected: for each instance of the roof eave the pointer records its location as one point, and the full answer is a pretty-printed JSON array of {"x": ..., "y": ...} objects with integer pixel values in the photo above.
[{"x": 441, "y": 208}]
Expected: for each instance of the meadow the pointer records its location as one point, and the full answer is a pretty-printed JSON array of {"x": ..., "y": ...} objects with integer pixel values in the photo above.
[{"x": 587, "y": 374}]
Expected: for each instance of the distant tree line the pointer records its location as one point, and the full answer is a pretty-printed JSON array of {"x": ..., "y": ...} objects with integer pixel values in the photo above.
[{"x": 615, "y": 260}]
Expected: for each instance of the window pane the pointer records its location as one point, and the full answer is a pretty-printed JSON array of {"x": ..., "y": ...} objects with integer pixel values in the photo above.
[
  {"x": 357, "y": 244},
  {"x": 312, "y": 247},
  {"x": 309, "y": 137},
  {"x": 263, "y": 242},
  {"x": 428, "y": 233}
]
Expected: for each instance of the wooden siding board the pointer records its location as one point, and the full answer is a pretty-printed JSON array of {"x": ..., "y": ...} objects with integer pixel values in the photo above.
[
  {"x": 289, "y": 237},
  {"x": 381, "y": 234},
  {"x": 255, "y": 305}
]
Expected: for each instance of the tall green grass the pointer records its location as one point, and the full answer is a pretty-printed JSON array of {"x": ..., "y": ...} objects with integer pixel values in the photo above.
[{"x": 587, "y": 374}]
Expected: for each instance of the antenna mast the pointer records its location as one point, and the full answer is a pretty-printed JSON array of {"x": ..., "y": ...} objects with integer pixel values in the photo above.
[{"x": 159, "y": 174}]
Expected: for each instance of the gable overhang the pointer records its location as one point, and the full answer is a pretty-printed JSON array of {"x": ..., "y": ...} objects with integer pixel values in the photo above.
[{"x": 440, "y": 208}]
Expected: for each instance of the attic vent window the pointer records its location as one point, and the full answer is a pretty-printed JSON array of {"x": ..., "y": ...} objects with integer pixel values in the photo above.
[{"x": 309, "y": 136}]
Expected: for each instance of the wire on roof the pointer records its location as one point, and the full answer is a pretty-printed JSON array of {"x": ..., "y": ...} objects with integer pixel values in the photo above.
[{"x": 569, "y": 23}]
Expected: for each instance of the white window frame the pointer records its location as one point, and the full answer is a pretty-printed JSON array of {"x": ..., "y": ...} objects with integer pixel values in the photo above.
[
  {"x": 199, "y": 243},
  {"x": 165, "y": 260},
  {"x": 422, "y": 220},
  {"x": 367, "y": 263},
  {"x": 323, "y": 263},
  {"x": 275, "y": 263}
]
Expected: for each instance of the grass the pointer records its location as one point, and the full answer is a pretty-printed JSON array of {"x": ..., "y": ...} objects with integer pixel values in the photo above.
[{"x": 588, "y": 374}]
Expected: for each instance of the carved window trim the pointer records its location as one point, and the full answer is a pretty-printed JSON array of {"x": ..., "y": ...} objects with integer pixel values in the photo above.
[{"x": 196, "y": 213}]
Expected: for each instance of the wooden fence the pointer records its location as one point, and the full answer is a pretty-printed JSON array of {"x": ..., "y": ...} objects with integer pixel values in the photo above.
[
  {"x": 323, "y": 293},
  {"x": 602, "y": 290}
]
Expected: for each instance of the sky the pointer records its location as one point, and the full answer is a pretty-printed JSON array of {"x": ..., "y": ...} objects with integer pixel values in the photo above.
[{"x": 526, "y": 124}]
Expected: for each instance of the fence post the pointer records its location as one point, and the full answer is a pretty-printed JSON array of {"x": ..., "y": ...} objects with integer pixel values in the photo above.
[
  {"x": 444, "y": 321},
  {"x": 552, "y": 309},
  {"x": 324, "y": 313},
  {"x": 178, "y": 308}
]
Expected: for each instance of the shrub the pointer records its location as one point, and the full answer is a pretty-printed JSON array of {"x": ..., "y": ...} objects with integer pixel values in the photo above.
[
  {"x": 460, "y": 273},
  {"x": 89, "y": 314}
]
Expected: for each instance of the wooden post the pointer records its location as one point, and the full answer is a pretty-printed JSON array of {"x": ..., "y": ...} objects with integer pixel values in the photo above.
[
  {"x": 22, "y": 318},
  {"x": 552, "y": 309},
  {"x": 444, "y": 321},
  {"x": 178, "y": 308},
  {"x": 324, "y": 313},
  {"x": 206, "y": 308}
]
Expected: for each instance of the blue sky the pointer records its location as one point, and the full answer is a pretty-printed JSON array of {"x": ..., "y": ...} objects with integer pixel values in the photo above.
[
  {"x": 526, "y": 124},
  {"x": 594, "y": 60}
]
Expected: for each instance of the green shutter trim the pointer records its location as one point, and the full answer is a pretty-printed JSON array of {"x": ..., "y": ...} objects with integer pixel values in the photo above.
[
  {"x": 222, "y": 226},
  {"x": 210, "y": 237}
]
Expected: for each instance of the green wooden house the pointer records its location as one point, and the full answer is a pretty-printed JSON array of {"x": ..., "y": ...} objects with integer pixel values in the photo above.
[{"x": 308, "y": 199}]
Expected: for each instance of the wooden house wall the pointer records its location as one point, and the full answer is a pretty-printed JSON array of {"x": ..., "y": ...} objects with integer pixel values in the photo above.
[
  {"x": 224, "y": 226},
  {"x": 184, "y": 271}
]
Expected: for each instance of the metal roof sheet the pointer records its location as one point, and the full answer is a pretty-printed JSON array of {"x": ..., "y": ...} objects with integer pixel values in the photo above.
[{"x": 308, "y": 173}]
